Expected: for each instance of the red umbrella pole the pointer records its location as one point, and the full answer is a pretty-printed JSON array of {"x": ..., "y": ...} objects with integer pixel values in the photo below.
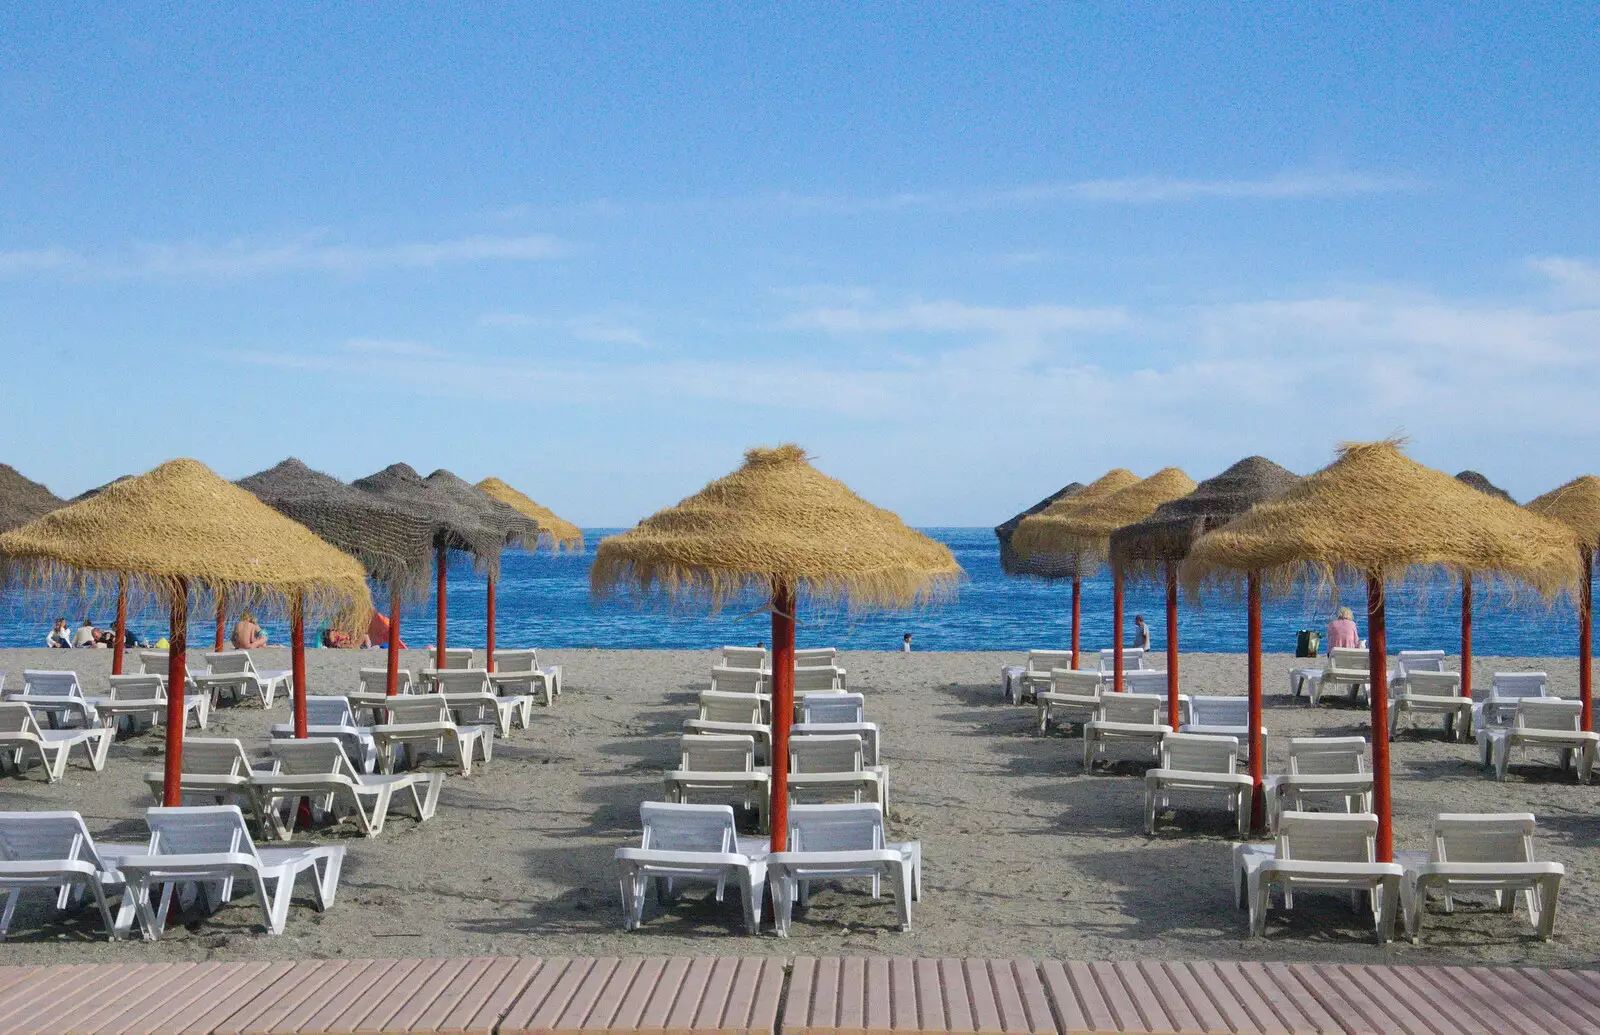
[
  {"x": 1378, "y": 693},
  {"x": 1585, "y": 638},
  {"x": 1466, "y": 634},
  {"x": 490, "y": 609},
  {"x": 1258, "y": 798},
  {"x": 1077, "y": 615},
  {"x": 122, "y": 625},
  {"x": 297, "y": 662},
  {"x": 438, "y": 636},
  {"x": 177, "y": 680},
  {"x": 1116, "y": 628},
  {"x": 222, "y": 618},
  {"x": 782, "y": 710},
  {"x": 392, "y": 687},
  {"x": 1172, "y": 644}
]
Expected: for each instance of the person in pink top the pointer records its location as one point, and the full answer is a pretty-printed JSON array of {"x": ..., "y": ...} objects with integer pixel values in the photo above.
[{"x": 1342, "y": 631}]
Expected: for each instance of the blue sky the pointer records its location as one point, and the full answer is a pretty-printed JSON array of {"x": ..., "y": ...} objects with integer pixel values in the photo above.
[{"x": 962, "y": 253}]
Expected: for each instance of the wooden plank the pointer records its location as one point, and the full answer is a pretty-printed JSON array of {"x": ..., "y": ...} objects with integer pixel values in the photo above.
[
  {"x": 329, "y": 987},
  {"x": 631, "y": 1007},
  {"x": 586, "y": 999},
  {"x": 957, "y": 1001},
  {"x": 209, "y": 983},
  {"x": 367, "y": 1013},
  {"x": 95, "y": 1012},
  {"x": 298, "y": 996},
  {"x": 930, "y": 991},
  {"x": 1570, "y": 986},
  {"x": 1304, "y": 997},
  {"x": 680, "y": 1019},
  {"x": 653, "y": 1019},
  {"x": 1150, "y": 1012},
  {"x": 1262, "y": 1019},
  {"x": 797, "y": 1005},
  {"x": 1075, "y": 1013},
  {"x": 1117, "y": 999},
  {"x": 1462, "y": 985},
  {"x": 903, "y": 996},
  {"x": 49, "y": 985},
  {"x": 763, "y": 1018},
  {"x": 481, "y": 1010},
  {"x": 979, "y": 993},
  {"x": 1517, "y": 993},
  {"x": 74, "y": 995},
  {"x": 1448, "y": 1014},
  {"x": 1281, "y": 1001},
  {"x": 553, "y": 981},
  {"x": 448, "y": 982},
  {"x": 877, "y": 1010},
  {"x": 1180, "y": 1015},
  {"x": 714, "y": 997},
  {"x": 850, "y": 1016}
]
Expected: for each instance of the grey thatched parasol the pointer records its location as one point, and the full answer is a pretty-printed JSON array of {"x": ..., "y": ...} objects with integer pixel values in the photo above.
[
  {"x": 1041, "y": 566},
  {"x": 1482, "y": 484},
  {"x": 22, "y": 499}
]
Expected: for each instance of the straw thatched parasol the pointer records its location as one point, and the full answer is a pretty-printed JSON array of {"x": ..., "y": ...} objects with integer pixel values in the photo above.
[
  {"x": 1156, "y": 545},
  {"x": 455, "y": 527},
  {"x": 1484, "y": 485},
  {"x": 22, "y": 499},
  {"x": 1050, "y": 565},
  {"x": 1577, "y": 506},
  {"x": 1376, "y": 513},
  {"x": 1045, "y": 566},
  {"x": 776, "y": 525},
  {"x": 518, "y": 528},
  {"x": 559, "y": 533},
  {"x": 181, "y": 526}
]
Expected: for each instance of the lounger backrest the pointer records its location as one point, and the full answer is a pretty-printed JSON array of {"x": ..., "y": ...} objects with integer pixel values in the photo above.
[
  {"x": 737, "y": 680},
  {"x": 457, "y": 657},
  {"x": 744, "y": 657},
  {"x": 717, "y": 706},
  {"x": 828, "y": 753},
  {"x": 1135, "y": 708},
  {"x": 833, "y": 708},
  {"x": 1328, "y": 836},
  {"x": 1080, "y": 682},
  {"x": 1219, "y": 711},
  {"x": 1327, "y": 756},
  {"x": 1548, "y": 713},
  {"x": 1519, "y": 684},
  {"x": 525, "y": 660},
  {"x": 46, "y": 837},
  {"x": 835, "y": 828},
  {"x": 198, "y": 830},
  {"x": 1041, "y": 662},
  {"x": 1483, "y": 838},
  {"x": 1144, "y": 681},
  {"x": 1434, "y": 684},
  {"x": 671, "y": 827},
  {"x": 153, "y": 662},
  {"x": 137, "y": 688},
  {"x": 17, "y": 718},
  {"x": 313, "y": 756},
  {"x": 462, "y": 680},
  {"x": 1199, "y": 753},
  {"x": 40, "y": 683},
  {"x": 1132, "y": 659},
  {"x": 376, "y": 680},
  {"x": 817, "y": 656},
  {"x": 214, "y": 756},
  {"x": 417, "y": 708},
  {"x": 329, "y": 711},
  {"x": 718, "y": 753},
  {"x": 231, "y": 663},
  {"x": 816, "y": 677},
  {"x": 1350, "y": 658},
  {"x": 1422, "y": 661}
]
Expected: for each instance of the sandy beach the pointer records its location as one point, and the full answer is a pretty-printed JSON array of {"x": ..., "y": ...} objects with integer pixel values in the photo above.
[{"x": 1024, "y": 854}]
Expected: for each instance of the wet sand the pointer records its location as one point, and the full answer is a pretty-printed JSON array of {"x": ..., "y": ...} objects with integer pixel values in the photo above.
[{"x": 1025, "y": 855}]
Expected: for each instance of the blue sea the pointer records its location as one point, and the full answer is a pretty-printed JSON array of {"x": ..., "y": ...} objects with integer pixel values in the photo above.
[{"x": 544, "y": 601}]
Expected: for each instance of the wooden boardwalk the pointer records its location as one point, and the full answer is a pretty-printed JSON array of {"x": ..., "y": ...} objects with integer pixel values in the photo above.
[{"x": 772, "y": 996}]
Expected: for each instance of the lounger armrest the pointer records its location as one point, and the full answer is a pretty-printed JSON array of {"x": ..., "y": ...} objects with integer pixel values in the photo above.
[
  {"x": 46, "y": 868},
  {"x": 207, "y": 860},
  {"x": 1313, "y": 868},
  {"x": 1488, "y": 871},
  {"x": 1188, "y": 776},
  {"x": 850, "y": 858},
  {"x": 666, "y": 858}
]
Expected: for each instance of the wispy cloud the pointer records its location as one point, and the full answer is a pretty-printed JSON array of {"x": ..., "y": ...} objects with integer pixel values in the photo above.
[
  {"x": 1578, "y": 279},
  {"x": 602, "y": 330},
  {"x": 246, "y": 259},
  {"x": 950, "y": 317}
]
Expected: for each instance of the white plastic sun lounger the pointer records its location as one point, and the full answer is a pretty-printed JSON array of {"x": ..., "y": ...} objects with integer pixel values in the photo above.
[
  {"x": 728, "y": 680},
  {"x": 830, "y": 766},
  {"x": 216, "y": 771},
  {"x": 1545, "y": 724},
  {"x": 1318, "y": 851},
  {"x": 473, "y": 701},
  {"x": 1505, "y": 690},
  {"x": 1347, "y": 666},
  {"x": 58, "y": 697},
  {"x": 1125, "y": 720},
  {"x": 1321, "y": 768},
  {"x": 824, "y": 708},
  {"x": 234, "y": 674},
  {"x": 1036, "y": 672},
  {"x": 744, "y": 657},
  {"x": 690, "y": 843},
  {"x": 144, "y": 697},
  {"x": 517, "y": 673},
  {"x": 1194, "y": 764},
  {"x": 728, "y": 706},
  {"x": 1225, "y": 716},
  {"x": 719, "y": 768},
  {"x": 1073, "y": 697},
  {"x": 1422, "y": 692},
  {"x": 832, "y": 842},
  {"x": 421, "y": 722},
  {"x": 318, "y": 768},
  {"x": 1133, "y": 660},
  {"x": 376, "y": 681},
  {"x": 210, "y": 846},
  {"x": 53, "y": 852},
  {"x": 871, "y": 737},
  {"x": 329, "y": 716},
  {"x": 21, "y": 738},
  {"x": 813, "y": 678},
  {"x": 1477, "y": 853}
]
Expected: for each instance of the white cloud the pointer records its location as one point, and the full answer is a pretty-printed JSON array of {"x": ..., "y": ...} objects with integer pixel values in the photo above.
[
  {"x": 949, "y": 317},
  {"x": 605, "y": 331},
  {"x": 244, "y": 259},
  {"x": 1578, "y": 279},
  {"x": 378, "y": 347}
]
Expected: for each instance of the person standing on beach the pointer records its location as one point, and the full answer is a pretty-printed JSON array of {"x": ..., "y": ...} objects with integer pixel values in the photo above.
[
  {"x": 905, "y": 644},
  {"x": 1342, "y": 631},
  {"x": 1141, "y": 633}
]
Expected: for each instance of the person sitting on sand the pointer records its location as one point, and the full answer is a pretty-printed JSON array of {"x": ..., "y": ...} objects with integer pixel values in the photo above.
[
  {"x": 342, "y": 640},
  {"x": 60, "y": 635},
  {"x": 1342, "y": 631},
  {"x": 247, "y": 635},
  {"x": 86, "y": 635}
]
